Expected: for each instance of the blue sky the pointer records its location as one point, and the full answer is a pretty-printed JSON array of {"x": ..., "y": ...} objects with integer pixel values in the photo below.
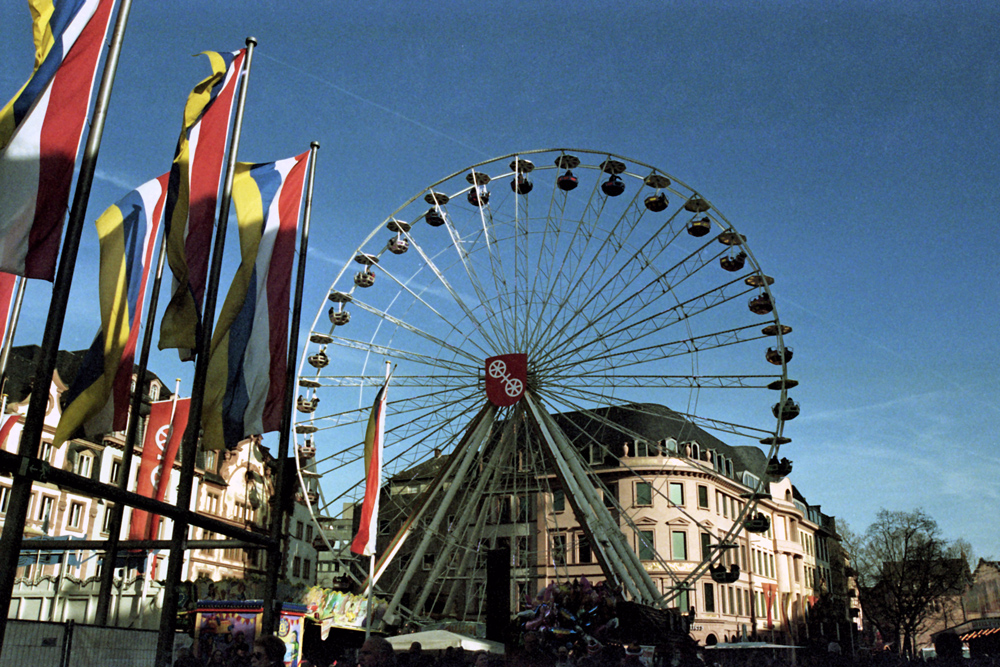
[{"x": 855, "y": 143}]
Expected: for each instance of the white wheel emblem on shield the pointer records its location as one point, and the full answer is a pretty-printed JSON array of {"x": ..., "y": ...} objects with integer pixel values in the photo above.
[{"x": 513, "y": 386}]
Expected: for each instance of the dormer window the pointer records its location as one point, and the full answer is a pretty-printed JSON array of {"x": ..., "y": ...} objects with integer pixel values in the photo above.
[{"x": 84, "y": 464}]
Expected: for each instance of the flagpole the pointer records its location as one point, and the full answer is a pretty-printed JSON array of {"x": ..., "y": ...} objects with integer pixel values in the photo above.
[
  {"x": 189, "y": 444},
  {"x": 8, "y": 341},
  {"x": 34, "y": 422},
  {"x": 131, "y": 432},
  {"x": 268, "y": 617}
]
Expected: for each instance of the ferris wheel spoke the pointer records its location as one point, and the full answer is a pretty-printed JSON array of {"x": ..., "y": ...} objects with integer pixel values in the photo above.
[
  {"x": 653, "y": 323},
  {"x": 624, "y": 307},
  {"x": 625, "y": 354},
  {"x": 457, "y": 299},
  {"x": 418, "y": 331}
]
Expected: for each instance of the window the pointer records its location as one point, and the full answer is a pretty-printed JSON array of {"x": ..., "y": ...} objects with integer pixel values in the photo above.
[
  {"x": 677, "y": 493},
  {"x": 520, "y": 550},
  {"x": 596, "y": 454},
  {"x": 4, "y": 498},
  {"x": 45, "y": 452},
  {"x": 428, "y": 561},
  {"x": 732, "y": 605},
  {"x": 646, "y": 546},
  {"x": 116, "y": 466},
  {"x": 584, "y": 554},
  {"x": 558, "y": 500},
  {"x": 703, "y": 496},
  {"x": 725, "y": 506},
  {"x": 297, "y": 567},
  {"x": 75, "y": 518},
  {"x": 611, "y": 495},
  {"x": 709, "y": 597},
  {"x": 106, "y": 523},
  {"x": 306, "y": 568},
  {"x": 668, "y": 446},
  {"x": 44, "y": 508},
  {"x": 706, "y": 546},
  {"x": 211, "y": 457},
  {"x": 559, "y": 550},
  {"x": 212, "y": 503},
  {"x": 641, "y": 448},
  {"x": 299, "y": 530},
  {"x": 309, "y": 533},
  {"x": 85, "y": 464},
  {"x": 679, "y": 544},
  {"x": 644, "y": 494}
]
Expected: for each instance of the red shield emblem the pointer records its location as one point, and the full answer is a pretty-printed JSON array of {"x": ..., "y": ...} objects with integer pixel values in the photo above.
[{"x": 506, "y": 378}]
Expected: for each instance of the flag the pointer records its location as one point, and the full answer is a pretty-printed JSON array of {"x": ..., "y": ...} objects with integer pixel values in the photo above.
[
  {"x": 164, "y": 431},
  {"x": 40, "y": 130},
  {"x": 192, "y": 197},
  {"x": 98, "y": 399},
  {"x": 245, "y": 388},
  {"x": 364, "y": 541},
  {"x": 7, "y": 281}
]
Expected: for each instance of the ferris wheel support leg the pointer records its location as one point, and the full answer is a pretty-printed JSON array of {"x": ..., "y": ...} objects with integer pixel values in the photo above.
[
  {"x": 452, "y": 539},
  {"x": 617, "y": 559},
  {"x": 478, "y": 431}
]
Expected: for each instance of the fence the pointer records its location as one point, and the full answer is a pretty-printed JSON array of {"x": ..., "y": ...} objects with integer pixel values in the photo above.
[{"x": 30, "y": 643}]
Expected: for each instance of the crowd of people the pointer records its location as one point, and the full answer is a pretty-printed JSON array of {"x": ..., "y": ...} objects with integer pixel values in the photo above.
[{"x": 269, "y": 651}]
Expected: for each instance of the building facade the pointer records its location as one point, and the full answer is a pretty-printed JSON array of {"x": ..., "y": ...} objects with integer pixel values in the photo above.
[
  {"x": 677, "y": 494},
  {"x": 231, "y": 486}
]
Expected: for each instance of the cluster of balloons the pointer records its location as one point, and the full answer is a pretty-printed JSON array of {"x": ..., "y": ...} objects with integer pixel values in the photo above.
[{"x": 573, "y": 614}]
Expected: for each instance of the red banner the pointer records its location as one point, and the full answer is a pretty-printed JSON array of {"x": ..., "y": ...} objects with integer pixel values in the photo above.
[{"x": 159, "y": 450}]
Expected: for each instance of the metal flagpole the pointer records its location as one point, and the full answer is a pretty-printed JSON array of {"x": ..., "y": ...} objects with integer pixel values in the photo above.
[
  {"x": 131, "y": 432},
  {"x": 269, "y": 617},
  {"x": 189, "y": 445},
  {"x": 34, "y": 422}
]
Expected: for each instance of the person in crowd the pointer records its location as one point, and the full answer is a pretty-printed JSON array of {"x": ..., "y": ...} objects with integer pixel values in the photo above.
[
  {"x": 268, "y": 651},
  {"x": 376, "y": 652}
]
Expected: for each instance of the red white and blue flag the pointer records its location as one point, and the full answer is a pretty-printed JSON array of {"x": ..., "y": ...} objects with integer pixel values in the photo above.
[
  {"x": 245, "y": 388},
  {"x": 98, "y": 399},
  {"x": 364, "y": 541},
  {"x": 193, "y": 197},
  {"x": 40, "y": 130}
]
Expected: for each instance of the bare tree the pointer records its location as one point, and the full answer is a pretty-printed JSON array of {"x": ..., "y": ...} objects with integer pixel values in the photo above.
[{"x": 905, "y": 572}]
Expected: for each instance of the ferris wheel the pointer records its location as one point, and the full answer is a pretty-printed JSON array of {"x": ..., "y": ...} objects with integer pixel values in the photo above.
[{"x": 561, "y": 324}]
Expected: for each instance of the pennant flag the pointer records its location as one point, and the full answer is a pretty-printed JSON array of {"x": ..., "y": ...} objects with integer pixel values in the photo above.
[
  {"x": 364, "y": 541},
  {"x": 164, "y": 431},
  {"x": 7, "y": 281},
  {"x": 245, "y": 388},
  {"x": 98, "y": 399},
  {"x": 192, "y": 198},
  {"x": 40, "y": 130}
]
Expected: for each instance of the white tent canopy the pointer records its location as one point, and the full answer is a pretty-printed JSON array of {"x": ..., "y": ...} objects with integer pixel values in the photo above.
[{"x": 438, "y": 640}]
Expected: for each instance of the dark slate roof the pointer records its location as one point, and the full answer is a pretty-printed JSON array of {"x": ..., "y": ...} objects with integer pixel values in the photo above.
[
  {"x": 612, "y": 426},
  {"x": 652, "y": 422}
]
